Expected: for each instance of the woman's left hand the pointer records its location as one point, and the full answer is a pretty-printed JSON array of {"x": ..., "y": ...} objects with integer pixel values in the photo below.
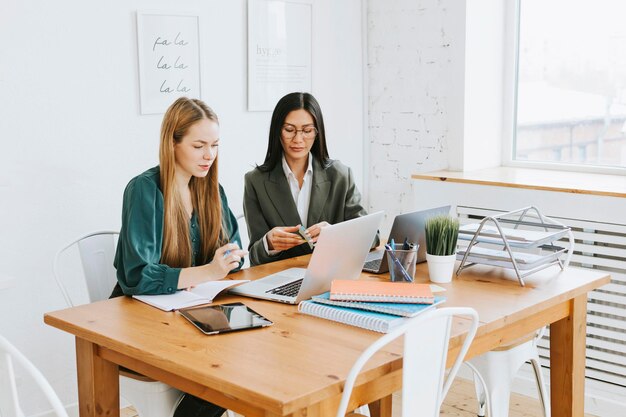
[{"x": 314, "y": 231}]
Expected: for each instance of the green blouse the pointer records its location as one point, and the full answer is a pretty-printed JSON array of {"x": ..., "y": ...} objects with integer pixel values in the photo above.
[{"x": 138, "y": 255}]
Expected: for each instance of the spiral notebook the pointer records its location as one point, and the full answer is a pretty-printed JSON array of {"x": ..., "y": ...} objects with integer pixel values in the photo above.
[
  {"x": 370, "y": 320},
  {"x": 377, "y": 291}
]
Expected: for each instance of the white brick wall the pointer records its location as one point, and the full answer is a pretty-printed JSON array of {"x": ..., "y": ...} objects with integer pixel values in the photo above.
[{"x": 409, "y": 66}]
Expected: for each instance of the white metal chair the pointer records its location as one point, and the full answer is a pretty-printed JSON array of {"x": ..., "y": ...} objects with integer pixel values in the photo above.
[
  {"x": 495, "y": 370},
  {"x": 243, "y": 234},
  {"x": 96, "y": 252},
  {"x": 424, "y": 361},
  {"x": 9, "y": 404}
]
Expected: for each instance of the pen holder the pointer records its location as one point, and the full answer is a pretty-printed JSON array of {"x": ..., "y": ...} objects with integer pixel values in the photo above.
[{"x": 402, "y": 264}]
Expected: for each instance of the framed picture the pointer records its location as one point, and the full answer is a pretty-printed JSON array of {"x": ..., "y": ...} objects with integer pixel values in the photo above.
[
  {"x": 279, "y": 51},
  {"x": 169, "y": 59}
]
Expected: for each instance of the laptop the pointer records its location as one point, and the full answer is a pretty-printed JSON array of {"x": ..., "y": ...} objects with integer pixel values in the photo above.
[
  {"x": 405, "y": 226},
  {"x": 339, "y": 253}
]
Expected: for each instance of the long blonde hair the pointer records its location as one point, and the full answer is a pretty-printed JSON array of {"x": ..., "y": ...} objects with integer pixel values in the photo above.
[{"x": 205, "y": 196}]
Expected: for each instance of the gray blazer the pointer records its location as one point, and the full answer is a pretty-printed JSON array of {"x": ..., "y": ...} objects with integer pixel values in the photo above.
[{"x": 267, "y": 203}]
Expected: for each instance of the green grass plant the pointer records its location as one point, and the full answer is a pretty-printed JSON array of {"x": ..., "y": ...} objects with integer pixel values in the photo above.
[{"x": 441, "y": 235}]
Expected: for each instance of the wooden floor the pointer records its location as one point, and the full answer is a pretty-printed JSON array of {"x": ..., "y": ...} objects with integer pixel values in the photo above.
[{"x": 460, "y": 402}]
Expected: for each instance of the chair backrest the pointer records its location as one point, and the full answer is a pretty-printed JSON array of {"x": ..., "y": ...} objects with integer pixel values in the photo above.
[
  {"x": 424, "y": 360},
  {"x": 243, "y": 234},
  {"x": 96, "y": 252},
  {"x": 9, "y": 405}
]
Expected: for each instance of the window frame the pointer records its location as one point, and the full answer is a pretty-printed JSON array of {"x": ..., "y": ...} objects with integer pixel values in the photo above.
[{"x": 510, "y": 77}]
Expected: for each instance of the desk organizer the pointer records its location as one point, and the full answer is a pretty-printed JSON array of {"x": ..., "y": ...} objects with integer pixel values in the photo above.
[{"x": 539, "y": 233}]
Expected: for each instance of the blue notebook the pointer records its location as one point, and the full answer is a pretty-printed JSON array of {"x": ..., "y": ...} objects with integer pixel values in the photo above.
[{"x": 398, "y": 309}]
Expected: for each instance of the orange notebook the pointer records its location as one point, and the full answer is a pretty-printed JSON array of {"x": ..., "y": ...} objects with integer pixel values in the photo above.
[{"x": 386, "y": 292}]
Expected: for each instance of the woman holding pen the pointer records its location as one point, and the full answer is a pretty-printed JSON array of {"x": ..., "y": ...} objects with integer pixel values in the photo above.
[
  {"x": 177, "y": 229},
  {"x": 298, "y": 185}
]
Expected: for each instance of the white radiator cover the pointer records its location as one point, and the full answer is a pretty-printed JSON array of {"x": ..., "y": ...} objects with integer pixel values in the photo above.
[{"x": 599, "y": 246}]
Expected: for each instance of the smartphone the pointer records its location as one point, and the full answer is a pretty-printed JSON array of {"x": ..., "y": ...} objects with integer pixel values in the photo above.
[{"x": 302, "y": 232}]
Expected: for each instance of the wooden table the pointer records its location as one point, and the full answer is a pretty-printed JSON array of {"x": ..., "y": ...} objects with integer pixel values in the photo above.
[{"x": 297, "y": 366}]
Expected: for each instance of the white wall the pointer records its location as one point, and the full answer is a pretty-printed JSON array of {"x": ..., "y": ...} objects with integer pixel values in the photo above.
[
  {"x": 72, "y": 135},
  {"x": 435, "y": 79},
  {"x": 413, "y": 68},
  {"x": 483, "y": 101}
]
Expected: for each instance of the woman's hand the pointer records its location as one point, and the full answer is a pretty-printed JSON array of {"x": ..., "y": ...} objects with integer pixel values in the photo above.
[
  {"x": 226, "y": 259},
  {"x": 283, "y": 238},
  {"x": 314, "y": 231}
]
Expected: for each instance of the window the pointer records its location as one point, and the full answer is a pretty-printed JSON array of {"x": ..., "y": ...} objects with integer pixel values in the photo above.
[{"x": 571, "y": 83}]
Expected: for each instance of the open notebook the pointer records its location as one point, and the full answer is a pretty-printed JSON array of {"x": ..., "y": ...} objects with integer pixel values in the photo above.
[{"x": 201, "y": 294}]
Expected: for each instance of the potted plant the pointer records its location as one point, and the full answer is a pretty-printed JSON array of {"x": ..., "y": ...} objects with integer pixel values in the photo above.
[{"x": 441, "y": 236}]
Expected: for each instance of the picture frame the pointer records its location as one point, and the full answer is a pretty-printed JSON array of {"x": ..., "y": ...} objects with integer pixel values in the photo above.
[
  {"x": 168, "y": 46},
  {"x": 279, "y": 51}
]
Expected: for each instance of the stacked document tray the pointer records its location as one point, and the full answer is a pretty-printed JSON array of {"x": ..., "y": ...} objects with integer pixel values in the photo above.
[
  {"x": 525, "y": 261},
  {"x": 503, "y": 230}
]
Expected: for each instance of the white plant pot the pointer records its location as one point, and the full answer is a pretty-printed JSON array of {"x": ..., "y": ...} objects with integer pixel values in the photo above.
[{"x": 440, "y": 268}]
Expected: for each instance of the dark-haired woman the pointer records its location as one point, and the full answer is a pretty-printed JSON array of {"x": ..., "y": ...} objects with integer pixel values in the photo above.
[{"x": 297, "y": 184}]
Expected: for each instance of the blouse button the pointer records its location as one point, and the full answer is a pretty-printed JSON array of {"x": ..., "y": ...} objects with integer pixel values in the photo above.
[
  {"x": 193, "y": 240},
  {"x": 169, "y": 289}
]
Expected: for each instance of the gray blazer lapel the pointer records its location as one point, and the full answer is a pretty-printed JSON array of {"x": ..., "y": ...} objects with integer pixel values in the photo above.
[
  {"x": 280, "y": 195},
  {"x": 319, "y": 193}
]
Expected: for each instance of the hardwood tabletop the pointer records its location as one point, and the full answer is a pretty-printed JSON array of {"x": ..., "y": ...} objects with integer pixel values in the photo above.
[{"x": 302, "y": 359}]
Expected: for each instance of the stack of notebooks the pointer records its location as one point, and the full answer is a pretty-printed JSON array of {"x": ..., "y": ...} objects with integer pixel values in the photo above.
[{"x": 378, "y": 306}]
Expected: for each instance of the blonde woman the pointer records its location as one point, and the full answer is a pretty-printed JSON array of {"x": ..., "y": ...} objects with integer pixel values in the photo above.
[{"x": 177, "y": 230}]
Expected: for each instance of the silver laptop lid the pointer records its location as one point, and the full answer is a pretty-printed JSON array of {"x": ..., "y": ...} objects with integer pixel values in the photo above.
[
  {"x": 411, "y": 226},
  {"x": 339, "y": 253}
]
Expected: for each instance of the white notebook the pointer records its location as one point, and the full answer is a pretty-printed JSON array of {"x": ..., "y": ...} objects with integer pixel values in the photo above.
[
  {"x": 201, "y": 294},
  {"x": 370, "y": 320}
]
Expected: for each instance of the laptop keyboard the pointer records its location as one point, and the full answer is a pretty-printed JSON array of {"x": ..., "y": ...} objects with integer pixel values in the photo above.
[
  {"x": 288, "y": 290},
  {"x": 373, "y": 265}
]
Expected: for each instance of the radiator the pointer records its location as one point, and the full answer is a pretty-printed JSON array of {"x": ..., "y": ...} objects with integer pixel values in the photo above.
[{"x": 600, "y": 246}]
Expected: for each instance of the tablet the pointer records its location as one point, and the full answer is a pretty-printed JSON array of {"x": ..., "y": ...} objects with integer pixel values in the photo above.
[{"x": 224, "y": 318}]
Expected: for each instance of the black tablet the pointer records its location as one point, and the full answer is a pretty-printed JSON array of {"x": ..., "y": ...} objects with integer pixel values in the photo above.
[{"x": 223, "y": 318}]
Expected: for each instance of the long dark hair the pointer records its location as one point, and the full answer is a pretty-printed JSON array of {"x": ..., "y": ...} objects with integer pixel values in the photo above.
[{"x": 287, "y": 104}]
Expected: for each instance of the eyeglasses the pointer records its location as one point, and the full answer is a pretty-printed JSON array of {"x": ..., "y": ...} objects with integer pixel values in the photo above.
[{"x": 290, "y": 132}]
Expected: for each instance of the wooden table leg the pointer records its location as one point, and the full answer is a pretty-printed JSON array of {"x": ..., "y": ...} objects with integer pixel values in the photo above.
[
  {"x": 98, "y": 382},
  {"x": 567, "y": 361},
  {"x": 381, "y": 408}
]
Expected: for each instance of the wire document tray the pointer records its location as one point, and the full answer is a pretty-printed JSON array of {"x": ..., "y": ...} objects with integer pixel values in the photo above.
[{"x": 539, "y": 233}]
